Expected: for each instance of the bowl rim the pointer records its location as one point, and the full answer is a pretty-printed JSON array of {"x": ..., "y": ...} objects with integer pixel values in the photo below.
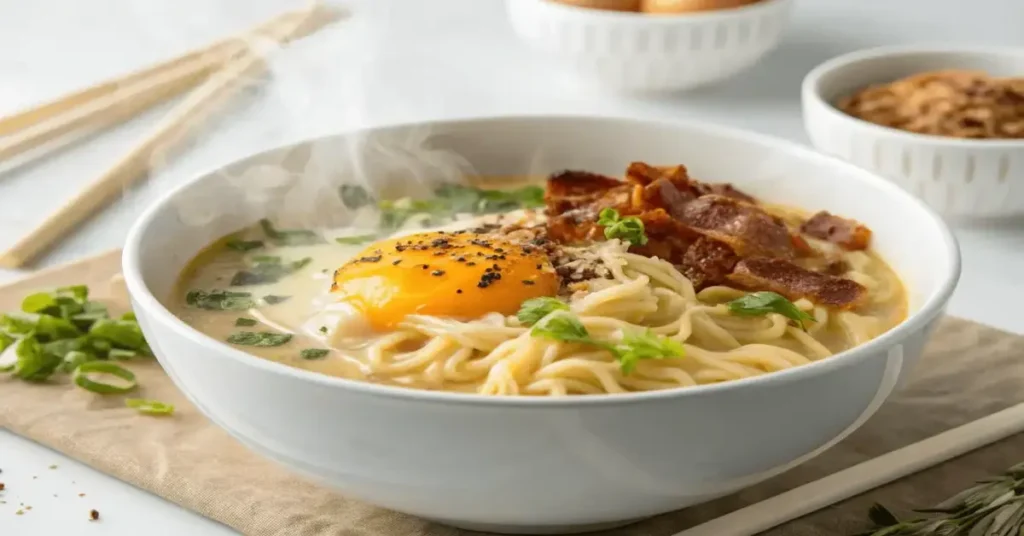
[
  {"x": 811, "y": 92},
  {"x": 638, "y": 18},
  {"x": 914, "y": 323}
]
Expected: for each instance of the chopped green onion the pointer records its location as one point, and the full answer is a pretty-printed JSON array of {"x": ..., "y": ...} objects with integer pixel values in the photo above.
[
  {"x": 354, "y": 240},
  {"x": 258, "y": 338},
  {"x": 149, "y": 407},
  {"x": 33, "y": 364},
  {"x": 8, "y": 353},
  {"x": 290, "y": 237},
  {"x": 73, "y": 359},
  {"x": 313, "y": 353},
  {"x": 244, "y": 245},
  {"x": 82, "y": 377},
  {"x": 219, "y": 300},
  {"x": 245, "y": 322},
  {"x": 124, "y": 334},
  {"x": 118, "y": 354},
  {"x": 267, "y": 271},
  {"x": 271, "y": 299}
]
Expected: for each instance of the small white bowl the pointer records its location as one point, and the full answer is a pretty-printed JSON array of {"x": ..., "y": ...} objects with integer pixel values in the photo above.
[
  {"x": 637, "y": 52},
  {"x": 535, "y": 464},
  {"x": 957, "y": 177}
]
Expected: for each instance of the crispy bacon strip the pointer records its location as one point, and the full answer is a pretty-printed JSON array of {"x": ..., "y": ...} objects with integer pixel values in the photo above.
[
  {"x": 714, "y": 233},
  {"x": 747, "y": 229},
  {"x": 573, "y": 190},
  {"x": 848, "y": 234},
  {"x": 794, "y": 282},
  {"x": 724, "y": 189},
  {"x": 708, "y": 263}
]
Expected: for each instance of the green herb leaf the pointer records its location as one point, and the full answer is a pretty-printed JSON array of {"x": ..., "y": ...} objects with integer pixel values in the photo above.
[
  {"x": 354, "y": 240},
  {"x": 258, "y": 338},
  {"x": 219, "y": 300},
  {"x": 645, "y": 345},
  {"x": 630, "y": 228},
  {"x": 271, "y": 299},
  {"x": 149, "y": 407},
  {"x": 764, "y": 302},
  {"x": 313, "y": 353},
  {"x": 89, "y": 376},
  {"x": 263, "y": 272},
  {"x": 354, "y": 196},
  {"x": 33, "y": 364},
  {"x": 534, "y": 309},
  {"x": 561, "y": 326},
  {"x": 243, "y": 245},
  {"x": 245, "y": 322},
  {"x": 290, "y": 237}
]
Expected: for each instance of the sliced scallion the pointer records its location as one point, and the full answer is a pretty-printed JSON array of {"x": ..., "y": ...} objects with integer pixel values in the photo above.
[
  {"x": 150, "y": 407},
  {"x": 85, "y": 376}
]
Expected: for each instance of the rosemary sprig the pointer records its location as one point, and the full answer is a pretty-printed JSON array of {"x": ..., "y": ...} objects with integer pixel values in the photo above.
[{"x": 994, "y": 507}]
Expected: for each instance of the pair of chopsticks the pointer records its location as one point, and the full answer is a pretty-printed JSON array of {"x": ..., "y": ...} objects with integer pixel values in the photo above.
[
  {"x": 219, "y": 70},
  {"x": 865, "y": 476}
]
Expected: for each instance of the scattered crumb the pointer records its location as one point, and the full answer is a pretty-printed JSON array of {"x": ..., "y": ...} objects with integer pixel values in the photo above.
[
  {"x": 53, "y": 466},
  {"x": 34, "y": 477},
  {"x": 28, "y": 507},
  {"x": 2, "y": 486},
  {"x": 55, "y": 495},
  {"x": 81, "y": 495},
  {"x": 94, "y": 515},
  {"x": 3, "y": 502},
  {"x": 19, "y": 512}
]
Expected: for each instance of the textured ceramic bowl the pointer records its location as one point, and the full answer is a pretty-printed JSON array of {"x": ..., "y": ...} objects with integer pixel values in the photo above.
[
  {"x": 530, "y": 465},
  {"x": 957, "y": 177},
  {"x": 636, "y": 52}
]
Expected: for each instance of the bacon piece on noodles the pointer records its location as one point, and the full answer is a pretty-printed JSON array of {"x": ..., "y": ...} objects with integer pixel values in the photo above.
[
  {"x": 723, "y": 189},
  {"x": 708, "y": 263},
  {"x": 794, "y": 282},
  {"x": 747, "y": 229},
  {"x": 575, "y": 190},
  {"x": 847, "y": 233}
]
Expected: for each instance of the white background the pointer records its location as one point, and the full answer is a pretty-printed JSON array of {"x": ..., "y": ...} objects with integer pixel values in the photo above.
[{"x": 394, "y": 60}]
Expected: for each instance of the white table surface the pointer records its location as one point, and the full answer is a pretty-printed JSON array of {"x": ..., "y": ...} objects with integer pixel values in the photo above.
[{"x": 395, "y": 60}]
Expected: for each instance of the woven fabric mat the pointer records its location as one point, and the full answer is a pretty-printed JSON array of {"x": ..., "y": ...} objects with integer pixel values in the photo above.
[{"x": 969, "y": 371}]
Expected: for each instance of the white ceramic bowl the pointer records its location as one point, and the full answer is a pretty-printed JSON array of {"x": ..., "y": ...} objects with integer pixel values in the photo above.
[
  {"x": 636, "y": 52},
  {"x": 959, "y": 178},
  {"x": 522, "y": 464}
]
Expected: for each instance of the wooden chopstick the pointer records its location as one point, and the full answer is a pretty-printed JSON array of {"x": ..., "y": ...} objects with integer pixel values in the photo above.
[
  {"x": 183, "y": 119},
  {"x": 116, "y": 100},
  {"x": 864, "y": 476}
]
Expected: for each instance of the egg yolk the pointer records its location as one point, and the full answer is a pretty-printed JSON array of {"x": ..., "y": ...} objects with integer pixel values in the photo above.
[{"x": 457, "y": 275}]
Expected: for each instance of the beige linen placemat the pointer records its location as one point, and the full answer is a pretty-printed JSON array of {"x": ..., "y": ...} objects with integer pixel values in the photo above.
[{"x": 969, "y": 371}]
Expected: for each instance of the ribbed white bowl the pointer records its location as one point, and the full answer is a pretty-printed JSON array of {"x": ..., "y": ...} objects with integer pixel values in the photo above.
[
  {"x": 636, "y": 52},
  {"x": 959, "y": 178}
]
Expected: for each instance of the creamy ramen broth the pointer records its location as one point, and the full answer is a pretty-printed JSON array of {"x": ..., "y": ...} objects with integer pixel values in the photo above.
[{"x": 460, "y": 328}]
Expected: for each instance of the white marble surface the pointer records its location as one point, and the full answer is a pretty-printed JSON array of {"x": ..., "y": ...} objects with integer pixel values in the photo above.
[{"x": 394, "y": 60}]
